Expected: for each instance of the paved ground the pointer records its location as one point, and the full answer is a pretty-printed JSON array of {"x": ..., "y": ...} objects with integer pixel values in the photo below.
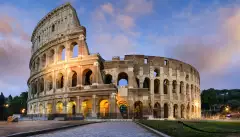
[
  {"x": 26, "y": 126},
  {"x": 106, "y": 129}
]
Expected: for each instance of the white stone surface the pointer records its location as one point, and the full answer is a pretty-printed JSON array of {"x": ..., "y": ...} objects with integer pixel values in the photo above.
[{"x": 106, "y": 129}]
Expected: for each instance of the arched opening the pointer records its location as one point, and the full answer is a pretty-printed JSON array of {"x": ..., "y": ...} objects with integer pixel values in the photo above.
[
  {"x": 108, "y": 79},
  {"x": 138, "y": 83},
  {"x": 43, "y": 60},
  {"x": 122, "y": 79},
  {"x": 53, "y": 28},
  {"x": 174, "y": 85},
  {"x": 181, "y": 87},
  {"x": 123, "y": 109},
  {"x": 74, "y": 79},
  {"x": 156, "y": 86},
  {"x": 165, "y": 62},
  {"x": 60, "y": 81},
  {"x": 49, "y": 83},
  {"x": 192, "y": 94},
  {"x": 157, "y": 110},
  {"x": 36, "y": 87},
  {"x": 33, "y": 66},
  {"x": 61, "y": 53},
  {"x": 188, "y": 111},
  {"x": 87, "y": 77},
  {"x": 138, "y": 107},
  {"x": 182, "y": 111},
  {"x": 187, "y": 77},
  {"x": 86, "y": 108},
  {"x": 74, "y": 50},
  {"x": 165, "y": 86},
  {"x": 37, "y": 64},
  {"x": 40, "y": 109},
  {"x": 59, "y": 107},
  {"x": 104, "y": 108},
  {"x": 175, "y": 111},
  {"x": 49, "y": 108},
  {"x": 165, "y": 110},
  {"x": 71, "y": 107},
  {"x": 146, "y": 83},
  {"x": 34, "y": 109},
  {"x": 51, "y": 56},
  {"x": 192, "y": 111},
  {"x": 41, "y": 84},
  {"x": 187, "y": 89},
  {"x": 156, "y": 72}
]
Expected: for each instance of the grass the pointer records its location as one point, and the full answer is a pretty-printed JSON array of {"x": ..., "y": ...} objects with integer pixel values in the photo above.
[{"x": 175, "y": 129}]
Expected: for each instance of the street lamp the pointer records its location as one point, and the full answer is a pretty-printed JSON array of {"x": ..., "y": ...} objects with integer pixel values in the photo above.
[
  {"x": 6, "y": 105},
  {"x": 227, "y": 108},
  {"x": 23, "y": 110}
]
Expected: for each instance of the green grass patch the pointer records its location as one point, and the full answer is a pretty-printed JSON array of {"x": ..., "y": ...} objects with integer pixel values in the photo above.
[{"x": 175, "y": 129}]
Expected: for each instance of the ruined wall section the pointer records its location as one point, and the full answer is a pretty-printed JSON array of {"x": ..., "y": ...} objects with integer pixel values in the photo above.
[{"x": 56, "y": 23}]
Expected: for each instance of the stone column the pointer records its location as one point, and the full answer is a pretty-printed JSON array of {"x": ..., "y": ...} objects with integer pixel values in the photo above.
[
  {"x": 179, "y": 111},
  {"x": 65, "y": 84},
  {"x": 170, "y": 90},
  {"x": 94, "y": 106},
  {"x": 162, "y": 110},
  {"x": 55, "y": 56},
  {"x": 178, "y": 90},
  {"x": 112, "y": 109},
  {"x": 54, "y": 86},
  {"x": 78, "y": 105},
  {"x": 161, "y": 90},
  {"x": 95, "y": 72},
  {"x": 131, "y": 77},
  {"x": 152, "y": 92},
  {"x": 67, "y": 52},
  {"x": 170, "y": 114}
]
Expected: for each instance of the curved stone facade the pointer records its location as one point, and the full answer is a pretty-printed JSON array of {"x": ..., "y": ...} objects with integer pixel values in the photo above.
[{"x": 67, "y": 82}]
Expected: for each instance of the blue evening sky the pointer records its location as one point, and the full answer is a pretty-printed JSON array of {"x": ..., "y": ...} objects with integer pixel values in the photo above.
[{"x": 204, "y": 33}]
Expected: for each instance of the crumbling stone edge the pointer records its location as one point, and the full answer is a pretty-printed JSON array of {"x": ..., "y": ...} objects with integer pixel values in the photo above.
[
  {"x": 152, "y": 130},
  {"x": 36, "y": 132}
]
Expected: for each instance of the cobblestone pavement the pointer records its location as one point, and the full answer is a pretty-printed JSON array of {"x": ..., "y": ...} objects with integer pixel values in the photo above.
[
  {"x": 106, "y": 129},
  {"x": 27, "y": 126}
]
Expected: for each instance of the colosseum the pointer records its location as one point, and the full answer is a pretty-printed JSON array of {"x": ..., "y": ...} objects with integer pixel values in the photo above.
[{"x": 66, "y": 80}]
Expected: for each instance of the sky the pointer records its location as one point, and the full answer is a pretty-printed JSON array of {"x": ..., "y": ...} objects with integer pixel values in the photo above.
[{"x": 204, "y": 33}]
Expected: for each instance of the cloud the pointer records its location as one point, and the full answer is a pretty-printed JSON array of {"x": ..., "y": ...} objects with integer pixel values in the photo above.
[
  {"x": 139, "y": 7},
  {"x": 212, "y": 53},
  {"x": 115, "y": 26},
  {"x": 107, "y": 8},
  {"x": 14, "y": 55},
  {"x": 125, "y": 22}
]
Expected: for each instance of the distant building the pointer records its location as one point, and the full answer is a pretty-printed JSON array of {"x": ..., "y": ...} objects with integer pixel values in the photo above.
[{"x": 64, "y": 83}]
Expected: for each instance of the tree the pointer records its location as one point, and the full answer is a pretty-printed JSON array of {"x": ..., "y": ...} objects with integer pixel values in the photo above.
[{"x": 2, "y": 108}]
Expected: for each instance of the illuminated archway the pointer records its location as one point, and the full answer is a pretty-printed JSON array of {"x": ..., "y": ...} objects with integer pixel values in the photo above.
[
  {"x": 59, "y": 107},
  {"x": 40, "y": 109},
  {"x": 157, "y": 110},
  {"x": 104, "y": 108},
  {"x": 86, "y": 107},
  {"x": 49, "y": 108},
  {"x": 71, "y": 107},
  {"x": 138, "y": 108}
]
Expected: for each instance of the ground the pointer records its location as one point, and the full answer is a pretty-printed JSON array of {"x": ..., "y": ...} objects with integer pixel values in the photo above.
[
  {"x": 173, "y": 128},
  {"x": 106, "y": 129},
  {"x": 26, "y": 126}
]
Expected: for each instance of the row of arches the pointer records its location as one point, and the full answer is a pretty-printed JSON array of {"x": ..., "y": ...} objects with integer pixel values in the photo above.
[
  {"x": 123, "y": 81},
  {"x": 182, "y": 112},
  {"x": 55, "y": 55},
  {"x": 156, "y": 73},
  {"x": 71, "y": 108},
  {"x": 47, "y": 83}
]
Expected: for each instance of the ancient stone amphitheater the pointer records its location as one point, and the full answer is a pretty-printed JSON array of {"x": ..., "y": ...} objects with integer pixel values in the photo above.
[{"x": 67, "y": 80}]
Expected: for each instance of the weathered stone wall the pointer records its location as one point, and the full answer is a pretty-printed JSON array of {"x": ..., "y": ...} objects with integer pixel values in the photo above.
[{"x": 165, "y": 87}]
